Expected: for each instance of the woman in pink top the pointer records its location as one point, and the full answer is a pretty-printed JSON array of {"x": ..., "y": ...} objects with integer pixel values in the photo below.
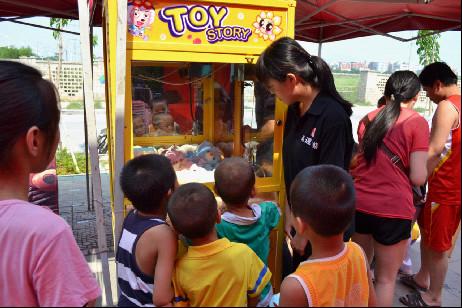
[
  {"x": 384, "y": 206},
  {"x": 40, "y": 262}
]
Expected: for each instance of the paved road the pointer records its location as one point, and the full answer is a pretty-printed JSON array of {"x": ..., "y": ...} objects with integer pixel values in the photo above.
[{"x": 73, "y": 207}]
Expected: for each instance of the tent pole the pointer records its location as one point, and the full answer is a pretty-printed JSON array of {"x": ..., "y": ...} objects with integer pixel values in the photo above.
[
  {"x": 84, "y": 18},
  {"x": 321, "y": 30},
  {"x": 119, "y": 133}
]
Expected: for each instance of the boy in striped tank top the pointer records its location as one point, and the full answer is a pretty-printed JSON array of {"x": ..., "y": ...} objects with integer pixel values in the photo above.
[
  {"x": 147, "y": 247},
  {"x": 337, "y": 273}
]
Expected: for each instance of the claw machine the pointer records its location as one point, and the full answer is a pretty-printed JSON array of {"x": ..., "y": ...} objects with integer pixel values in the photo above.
[{"x": 191, "y": 93}]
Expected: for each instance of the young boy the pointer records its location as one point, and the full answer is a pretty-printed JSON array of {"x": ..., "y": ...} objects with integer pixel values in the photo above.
[
  {"x": 147, "y": 247},
  {"x": 241, "y": 222},
  {"x": 214, "y": 272},
  {"x": 337, "y": 273}
]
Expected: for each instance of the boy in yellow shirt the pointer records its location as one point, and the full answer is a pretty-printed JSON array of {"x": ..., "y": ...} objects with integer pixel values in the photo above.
[
  {"x": 337, "y": 273},
  {"x": 214, "y": 272}
]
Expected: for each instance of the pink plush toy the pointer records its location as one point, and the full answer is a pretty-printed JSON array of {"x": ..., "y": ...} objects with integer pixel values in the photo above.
[{"x": 177, "y": 158}]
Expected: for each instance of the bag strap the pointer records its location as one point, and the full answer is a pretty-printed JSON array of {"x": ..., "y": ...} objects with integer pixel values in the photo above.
[{"x": 395, "y": 159}]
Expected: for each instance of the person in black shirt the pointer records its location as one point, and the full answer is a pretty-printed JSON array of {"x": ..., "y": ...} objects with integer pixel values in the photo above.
[
  {"x": 318, "y": 128},
  {"x": 265, "y": 104}
]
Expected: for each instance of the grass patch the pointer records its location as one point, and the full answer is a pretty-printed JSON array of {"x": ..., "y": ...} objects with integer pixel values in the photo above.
[
  {"x": 65, "y": 165},
  {"x": 348, "y": 86},
  {"x": 421, "y": 110},
  {"x": 342, "y": 81},
  {"x": 78, "y": 105}
]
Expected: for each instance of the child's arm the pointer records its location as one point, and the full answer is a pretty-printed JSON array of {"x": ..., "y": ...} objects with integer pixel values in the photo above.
[
  {"x": 166, "y": 253},
  {"x": 292, "y": 294},
  {"x": 259, "y": 274}
]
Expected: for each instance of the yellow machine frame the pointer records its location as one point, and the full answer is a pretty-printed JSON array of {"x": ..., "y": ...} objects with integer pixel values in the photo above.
[{"x": 170, "y": 51}]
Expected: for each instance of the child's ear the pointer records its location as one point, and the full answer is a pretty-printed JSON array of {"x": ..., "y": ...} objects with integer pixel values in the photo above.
[{"x": 299, "y": 225}]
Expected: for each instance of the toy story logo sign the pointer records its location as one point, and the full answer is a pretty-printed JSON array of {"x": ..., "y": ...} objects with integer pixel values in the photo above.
[{"x": 211, "y": 20}]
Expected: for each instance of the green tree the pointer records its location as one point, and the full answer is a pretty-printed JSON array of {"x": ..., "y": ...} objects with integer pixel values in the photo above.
[
  {"x": 428, "y": 47},
  {"x": 14, "y": 53},
  {"x": 59, "y": 23},
  {"x": 429, "y": 52}
]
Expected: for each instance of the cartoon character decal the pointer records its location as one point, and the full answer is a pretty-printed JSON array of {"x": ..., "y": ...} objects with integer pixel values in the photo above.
[
  {"x": 267, "y": 26},
  {"x": 141, "y": 15}
]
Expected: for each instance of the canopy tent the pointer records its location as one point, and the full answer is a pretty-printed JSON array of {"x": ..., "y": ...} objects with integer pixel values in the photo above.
[
  {"x": 49, "y": 8},
  {"x": 318, "y": 21},
  {"x": 322, "y": 21}
]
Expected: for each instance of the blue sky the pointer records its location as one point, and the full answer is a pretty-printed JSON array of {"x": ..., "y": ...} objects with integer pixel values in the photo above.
[{"x": 373, "y": 48}]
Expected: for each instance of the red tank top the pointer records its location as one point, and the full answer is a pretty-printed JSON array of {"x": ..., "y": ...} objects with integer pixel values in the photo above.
[{"x": 444, "y": 182}]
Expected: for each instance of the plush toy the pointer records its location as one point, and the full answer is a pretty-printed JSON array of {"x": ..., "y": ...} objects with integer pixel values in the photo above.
[
  {"x": 177, "y": 158},
  {"x": 138, "y": 151},
  {"x": 189, "y": 150},
  {"x": 208, "y": 156}
]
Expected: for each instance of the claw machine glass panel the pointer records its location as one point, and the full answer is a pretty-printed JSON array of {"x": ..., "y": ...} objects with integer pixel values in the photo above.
[{"x": 197, "y": 114}]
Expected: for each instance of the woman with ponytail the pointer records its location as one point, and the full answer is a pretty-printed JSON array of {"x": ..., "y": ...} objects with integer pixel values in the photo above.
[
  {"x": 384, "y": 202},
  {"x": 318, "y": 127}
]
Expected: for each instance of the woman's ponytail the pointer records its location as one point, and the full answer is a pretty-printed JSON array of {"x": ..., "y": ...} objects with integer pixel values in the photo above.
[{"x": 402, "y": 86}]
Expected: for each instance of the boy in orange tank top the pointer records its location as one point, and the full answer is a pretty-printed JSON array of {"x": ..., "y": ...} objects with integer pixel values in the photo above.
[{"x": 337, "y": 273}]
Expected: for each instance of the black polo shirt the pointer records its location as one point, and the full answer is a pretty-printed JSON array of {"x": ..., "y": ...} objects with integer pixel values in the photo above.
[{"x": 323, "y": 135}]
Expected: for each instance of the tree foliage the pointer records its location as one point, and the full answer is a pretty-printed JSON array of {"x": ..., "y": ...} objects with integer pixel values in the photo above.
[
  {"x": 14, "y": 53},
  {"x": 61, "y": 23},
  {"x": 428, "y": 47},
  {"x": 58, "y": 23}
]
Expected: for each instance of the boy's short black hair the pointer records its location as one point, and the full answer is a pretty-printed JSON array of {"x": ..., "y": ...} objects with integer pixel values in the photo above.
[
  {"x": 193, "y": 210},
  {"x": 146, "y": 181},
  {"x": 324, "y": 197},
  {"x": 234, "y": 180},
  {"x": 437, "y": 71}
]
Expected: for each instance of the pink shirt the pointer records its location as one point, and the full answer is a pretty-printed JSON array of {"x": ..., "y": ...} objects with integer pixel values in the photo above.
[
  {"x": 382, "y": 189},
  {"x": 40, "y": 262}
]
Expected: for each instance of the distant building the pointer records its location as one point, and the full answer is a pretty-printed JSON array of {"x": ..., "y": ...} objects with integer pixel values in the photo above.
[
  {"x": 397, "y": 66},
  {"x": 380, "y": 67},
  {"x": 345, "y": 66},
  {"x": 71, "y": 81},
  {"x": 334, "y": 66},
  {"x": 360, "y": 66}
]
